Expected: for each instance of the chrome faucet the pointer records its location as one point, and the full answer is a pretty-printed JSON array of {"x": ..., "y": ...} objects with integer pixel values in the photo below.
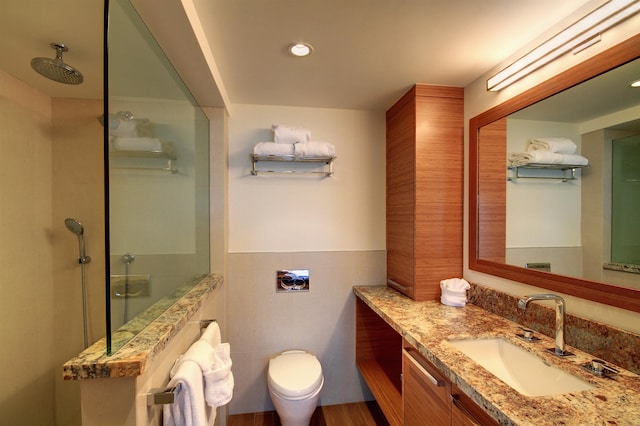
[{"x": 524, "y": 301}]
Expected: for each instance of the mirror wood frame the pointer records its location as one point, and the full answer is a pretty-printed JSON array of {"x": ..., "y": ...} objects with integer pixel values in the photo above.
[{"x": 620, "y": 297}]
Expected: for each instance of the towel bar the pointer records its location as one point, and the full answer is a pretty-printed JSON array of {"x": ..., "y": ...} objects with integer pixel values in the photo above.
[
  {"x": 205, "y": 323},
  {"x": 158, "y": 396}
]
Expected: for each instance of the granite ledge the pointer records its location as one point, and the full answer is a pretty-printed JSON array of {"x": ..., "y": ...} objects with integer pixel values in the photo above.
[
  {"x": 622, "y": 267},
  {"x": 429, "y": 325},
  {"x": 131, "y": 359}
]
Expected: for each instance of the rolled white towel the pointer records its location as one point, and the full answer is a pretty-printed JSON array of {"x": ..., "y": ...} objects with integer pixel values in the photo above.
[
  {"x": 288, "y": 134},
  {"x": 314, "y": 149},
  {"x": 458, "y": 301},
  {"x": 136, "y": 144},
  {"x": 130, "y": 128},
  {"x": 270, "y": 148},
  {"x": 557, "y": 145}
]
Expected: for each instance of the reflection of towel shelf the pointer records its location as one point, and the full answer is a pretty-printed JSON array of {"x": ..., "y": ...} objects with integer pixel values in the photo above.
[
  {"x": 563, "y": 172},
  {"x": 144, "y": 160},
  {"x": 291, "y": 159}
]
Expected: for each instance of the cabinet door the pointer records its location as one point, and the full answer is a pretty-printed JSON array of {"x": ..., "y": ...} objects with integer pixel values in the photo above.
[
  {"x": 425, "y": 393},
  {"x": 465, "y": 412}
]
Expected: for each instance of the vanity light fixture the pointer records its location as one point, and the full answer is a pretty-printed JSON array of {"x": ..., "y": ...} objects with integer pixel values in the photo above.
[
  {"x": 577, "y": 36},
  {"x": 300, "y": 49},
  {"x": 635, "y": 84}
]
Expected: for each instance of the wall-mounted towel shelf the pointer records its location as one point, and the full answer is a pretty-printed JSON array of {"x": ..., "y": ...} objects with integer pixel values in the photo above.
[
  {"x": 145, "y": 160},
  {"x": 563, "y": 172},
  {"x": 291, "y": 159}
]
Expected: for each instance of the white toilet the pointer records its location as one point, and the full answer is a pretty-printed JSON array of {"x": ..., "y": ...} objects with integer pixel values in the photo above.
[{"x": 295, "y": 381}]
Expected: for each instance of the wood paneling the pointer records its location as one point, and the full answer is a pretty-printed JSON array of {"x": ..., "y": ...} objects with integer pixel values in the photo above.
[
  {"x": 378, "y": 356},
  {"x": 425, "y": 190}
]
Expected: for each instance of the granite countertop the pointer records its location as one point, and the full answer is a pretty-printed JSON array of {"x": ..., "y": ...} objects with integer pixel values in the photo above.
[
  {"x": 131, "y": 358},
  {"x": 429, "y": 325}
]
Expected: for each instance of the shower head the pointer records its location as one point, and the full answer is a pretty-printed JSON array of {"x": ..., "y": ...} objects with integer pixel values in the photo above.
[
  {"x": 55, "y": 69},
  {"x": 77, "y": 228},
  {"x": 74, "y": 226}
]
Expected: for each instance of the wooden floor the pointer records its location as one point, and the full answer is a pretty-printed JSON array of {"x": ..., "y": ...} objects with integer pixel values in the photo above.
[{"x": 356, "y": 414}]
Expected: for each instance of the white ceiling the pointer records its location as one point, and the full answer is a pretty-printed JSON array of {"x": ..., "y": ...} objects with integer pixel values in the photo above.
[{"x": 367, "y": 52}]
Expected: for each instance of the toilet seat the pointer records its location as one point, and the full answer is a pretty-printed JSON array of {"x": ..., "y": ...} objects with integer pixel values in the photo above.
[{"x": 295, "y": 373}]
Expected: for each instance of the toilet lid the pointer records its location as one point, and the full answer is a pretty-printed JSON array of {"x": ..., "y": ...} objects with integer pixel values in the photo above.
[{"x": 295, "y": 373}]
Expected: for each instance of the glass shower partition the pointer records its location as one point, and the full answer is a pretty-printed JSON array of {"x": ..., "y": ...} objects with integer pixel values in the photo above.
[{"x": 158, "y": 180}]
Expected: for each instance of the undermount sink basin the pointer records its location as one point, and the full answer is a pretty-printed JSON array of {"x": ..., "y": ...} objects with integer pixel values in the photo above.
[{"x": 522, "y": 370}]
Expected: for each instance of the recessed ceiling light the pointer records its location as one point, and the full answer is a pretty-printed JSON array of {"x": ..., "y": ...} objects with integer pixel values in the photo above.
[
  {"x": 300, "y": 49},
  {"x": 635, "y": 84}
]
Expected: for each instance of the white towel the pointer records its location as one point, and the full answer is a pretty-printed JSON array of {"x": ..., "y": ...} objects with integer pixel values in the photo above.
[
  {"x": 136, "y": 144},
  {"x": 133, "y": 128},
  {"x": 314, "y": 149},
  {"x": 288, "y": 134},
  {"x": 557, "y": 145},
  {"x": 215, "y": 366},
  {"x": 188, "y": 408},
  {"x": 211, "y": 334},
  {"x": 546, "y": 157},
  {"x": 270, "y": 148},
  {"x": 218, "y": 380}
]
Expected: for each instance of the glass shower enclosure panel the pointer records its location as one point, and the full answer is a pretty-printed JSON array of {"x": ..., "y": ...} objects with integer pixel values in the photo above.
[
  {"x": 625, "y": 204},
  {"x": 158, "y": 164}
]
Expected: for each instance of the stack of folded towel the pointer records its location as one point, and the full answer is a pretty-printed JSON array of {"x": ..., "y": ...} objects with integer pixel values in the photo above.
[
  {"x": 204, "y": 375},
  {"x": 454, "y": 292},
  {"x": 549, "y": 151},
  {"x": 127, "y": 133},
  {"x": 293, "y": 141}
]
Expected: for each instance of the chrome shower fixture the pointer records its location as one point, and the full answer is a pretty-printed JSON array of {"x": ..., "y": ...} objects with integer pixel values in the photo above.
[
  {"x": 55, "y": 69},
  {"x": 115, "y": 119},
  {"x": 77, "y": 228}
]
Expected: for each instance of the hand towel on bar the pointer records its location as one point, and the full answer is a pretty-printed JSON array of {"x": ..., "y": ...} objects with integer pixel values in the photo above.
[
  {"x": 188, "y": 408},
  {"x": 211, "y": 334},
  {"x": 557, "y": 145},
  {"x": 218, "y": 381},
  {"x": 271, "y": 148},
  {"x": 546, "y": 157},
  {"x": 215, "y": 364},
  {"x": 137, "y": 144},
  {"x": 287, "y": 134},
  {"x": 314, "y": 149}
]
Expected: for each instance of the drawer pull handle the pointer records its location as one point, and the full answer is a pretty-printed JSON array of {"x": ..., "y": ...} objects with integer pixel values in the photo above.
[{"x": 432, "y": 379}]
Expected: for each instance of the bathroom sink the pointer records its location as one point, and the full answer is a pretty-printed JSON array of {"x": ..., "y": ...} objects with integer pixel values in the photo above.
[{"x": 520, "y": 369}]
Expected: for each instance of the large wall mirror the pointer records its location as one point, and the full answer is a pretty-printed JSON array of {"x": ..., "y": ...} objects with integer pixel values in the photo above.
[{"x": 579, "y": 227}]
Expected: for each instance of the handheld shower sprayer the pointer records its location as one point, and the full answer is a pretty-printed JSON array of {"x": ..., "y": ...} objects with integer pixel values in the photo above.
[{"x": 77, "y": 228}]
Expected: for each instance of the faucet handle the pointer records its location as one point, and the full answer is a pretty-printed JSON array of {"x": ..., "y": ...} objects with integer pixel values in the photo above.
[{"x": 527, "y": 335}]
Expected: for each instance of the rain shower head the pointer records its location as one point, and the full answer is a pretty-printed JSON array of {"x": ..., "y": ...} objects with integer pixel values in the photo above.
[
  {"x": 74, "y": 226},
  {"x": 55, "y": 69}
]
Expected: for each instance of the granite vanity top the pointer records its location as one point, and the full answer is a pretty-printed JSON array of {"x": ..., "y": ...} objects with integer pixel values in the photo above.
[
  {"x": 131, "y": 358},
  {"x": 429, "y": 325}
]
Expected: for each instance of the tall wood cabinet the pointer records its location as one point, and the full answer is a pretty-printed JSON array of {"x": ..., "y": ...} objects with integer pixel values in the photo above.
[{"x": 425, "y": 131}]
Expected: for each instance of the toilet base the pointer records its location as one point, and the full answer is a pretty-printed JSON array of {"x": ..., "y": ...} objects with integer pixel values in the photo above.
[{"x": 295, "y": 412}]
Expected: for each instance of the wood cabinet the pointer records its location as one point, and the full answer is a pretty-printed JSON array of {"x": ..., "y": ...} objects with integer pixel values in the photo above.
[
  {"x": 425, "y": 392},
  {"x": 425, "y": 190},
  {"x": 409, "y": 389},
  {"x": 378, "y": 357},
  {"x": 429, "y": 398}
]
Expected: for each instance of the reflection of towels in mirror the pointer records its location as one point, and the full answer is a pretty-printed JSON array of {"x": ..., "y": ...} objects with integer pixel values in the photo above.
[{"x": 557, "y": 145}]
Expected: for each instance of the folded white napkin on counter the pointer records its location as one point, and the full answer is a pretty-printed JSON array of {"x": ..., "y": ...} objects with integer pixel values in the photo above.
[{"x": 454, "y": 292}]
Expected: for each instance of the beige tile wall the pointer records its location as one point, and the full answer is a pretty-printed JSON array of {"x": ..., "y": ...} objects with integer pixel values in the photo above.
[{"x": 263, "y": 322}]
